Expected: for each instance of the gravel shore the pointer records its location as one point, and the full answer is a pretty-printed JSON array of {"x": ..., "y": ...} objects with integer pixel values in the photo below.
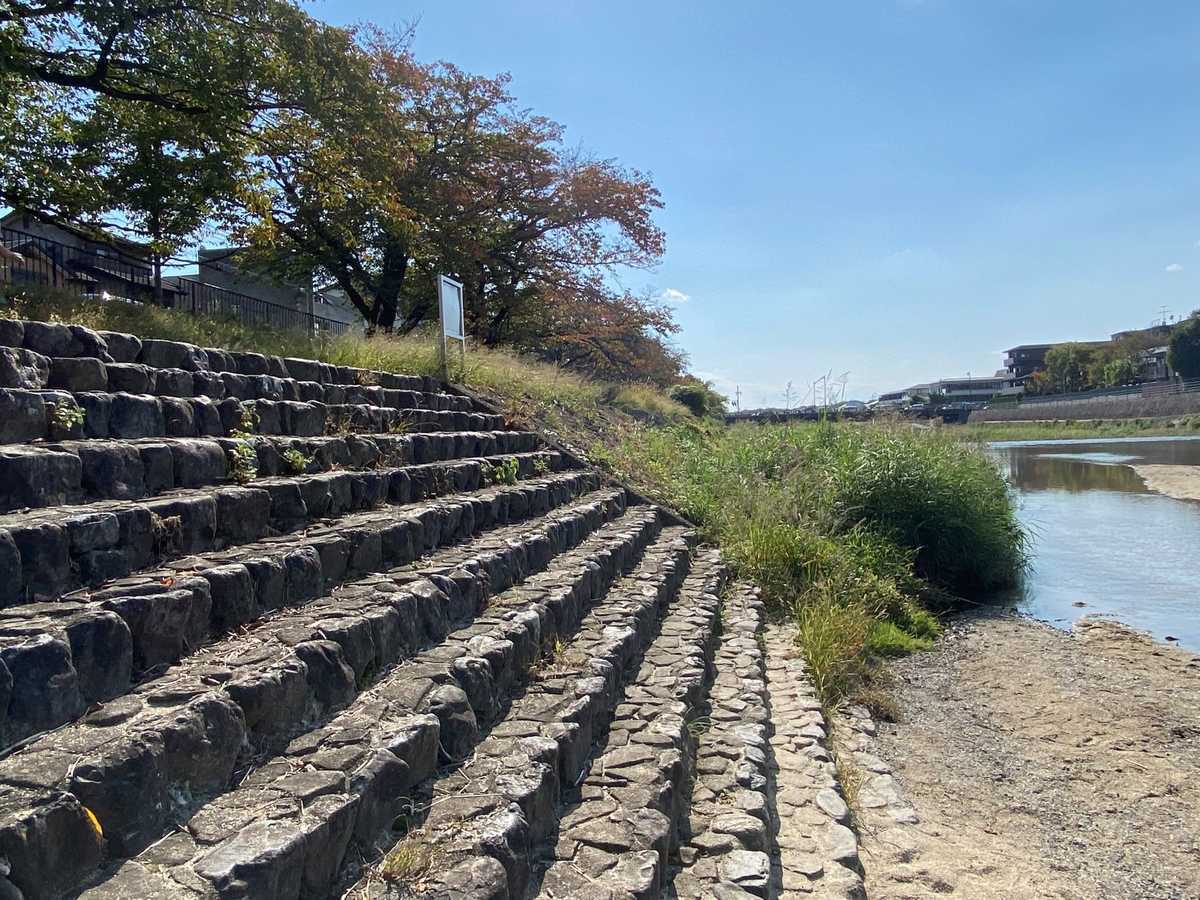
[{"x": 1030, "y": 762}]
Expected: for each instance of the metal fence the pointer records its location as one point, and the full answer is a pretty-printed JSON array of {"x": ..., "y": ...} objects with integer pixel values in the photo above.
[{"x": 110, "y": 273}]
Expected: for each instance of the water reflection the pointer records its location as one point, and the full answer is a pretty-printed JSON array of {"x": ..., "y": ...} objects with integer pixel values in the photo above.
[{"x": 1102, "y": 543}]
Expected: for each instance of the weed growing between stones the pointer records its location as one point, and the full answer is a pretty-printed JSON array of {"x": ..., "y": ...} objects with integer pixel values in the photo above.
[
  {"x": 243, "y": 458},
  {"x": 297, "y": 460},
  {"x": 68, "y": 417},
  {"x": 848, "y": 528},
  {"x": 541, "y": 467},
  {"x": 503, "y": 472}
]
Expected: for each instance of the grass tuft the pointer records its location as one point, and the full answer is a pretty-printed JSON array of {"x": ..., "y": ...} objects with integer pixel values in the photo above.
[{"x": 846, "y": 527}]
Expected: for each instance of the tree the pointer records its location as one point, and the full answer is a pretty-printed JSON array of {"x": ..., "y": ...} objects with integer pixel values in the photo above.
[
  {"x": 426, "y": 170},
  {"x": 162, "y": 180},
  {"x": 1067, "y": 367},
  {"x": 208, "y": 67},
  {"x": 1183, "y": 354}
]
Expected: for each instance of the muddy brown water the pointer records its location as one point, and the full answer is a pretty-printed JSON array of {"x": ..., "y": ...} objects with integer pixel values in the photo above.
[{"x": 1102, "y": 544}]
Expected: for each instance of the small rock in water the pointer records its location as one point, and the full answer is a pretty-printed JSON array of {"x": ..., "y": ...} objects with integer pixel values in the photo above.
[
  {"x": 1079, "y": 603},
  {"x": 1170, "y": 637}
]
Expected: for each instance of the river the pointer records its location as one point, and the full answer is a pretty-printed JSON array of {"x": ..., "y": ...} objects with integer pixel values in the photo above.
[{"x": 1101, "y": 542}]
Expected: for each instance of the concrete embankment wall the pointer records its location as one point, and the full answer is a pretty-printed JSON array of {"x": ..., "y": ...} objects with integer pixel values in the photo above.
[{"x": 1095, "y": 408}]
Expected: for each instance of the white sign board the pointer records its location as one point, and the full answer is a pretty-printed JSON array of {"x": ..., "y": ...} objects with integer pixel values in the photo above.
[{"x": 450, "y": 298}]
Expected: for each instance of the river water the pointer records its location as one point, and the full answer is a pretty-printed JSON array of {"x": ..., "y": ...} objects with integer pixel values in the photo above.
[{"x": 1102, "y": 543}]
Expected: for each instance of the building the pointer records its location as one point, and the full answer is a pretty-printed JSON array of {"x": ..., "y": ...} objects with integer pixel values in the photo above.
[
  {"x": 95, "y": 263},
  {"x": 82, "y": 258},
  {"x": 1023, "y": 360}
]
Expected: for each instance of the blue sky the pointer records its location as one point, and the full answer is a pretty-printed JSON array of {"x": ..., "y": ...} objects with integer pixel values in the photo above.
[{"x": 897, "y": 189}]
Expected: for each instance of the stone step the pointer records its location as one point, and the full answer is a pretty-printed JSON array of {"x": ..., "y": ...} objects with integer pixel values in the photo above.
[
  {"x": 139, "y": 760},
  {"x": 617, "y": 831},
  {"x": 58, "y": 658},
  {"x": 83, "y": 471},
  {"x": 285, "y": 830},
  {"x": 45, "y": 553},
  {"x": 484, "y": 816},
  {"x": 32, "y": 415},
  {"x": 27, "y": 370},
  {"x": 74, "y": 341},
  {"x": 727, "y": 838}
]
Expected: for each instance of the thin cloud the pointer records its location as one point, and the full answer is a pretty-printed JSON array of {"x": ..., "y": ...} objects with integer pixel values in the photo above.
[
  {"x": 1174, "y": 267},
  {"x": 674, "y": 296}
]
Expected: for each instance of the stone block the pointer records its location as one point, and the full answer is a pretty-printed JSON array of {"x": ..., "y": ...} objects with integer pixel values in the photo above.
[
  {"x": 243, "y": 514},
  {"x": 12, "y": 332},
  {"x": 45, "y": 686},
  {"x": 158, "y": 467},
  {"x": 179, "y": 417},
  {"x": 22, "y": 416},
  {"x": 173, "y": 355},
  {"x": 102, "y": 653},
  {"x": 197, "y": 463},
  {"x": 123, "y": 348},
  {"x": 38, "y": 477},
  {"x": 97, "y": 413},
  {"x": 50, "y": 339},
  {"x": 133, "y": 416},
  {"x": 131, "y": 378},
  {"x": 77, "y": 374},
  {"x": 23, "y": 369},
  {"x": 174, "y": 383}
]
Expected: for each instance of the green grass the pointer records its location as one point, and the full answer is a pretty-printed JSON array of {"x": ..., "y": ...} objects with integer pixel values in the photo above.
[
  {"x": 846, "y": 527},
  {"x": 1065, "y": 429},
  {"x": 527, "y": 387}
]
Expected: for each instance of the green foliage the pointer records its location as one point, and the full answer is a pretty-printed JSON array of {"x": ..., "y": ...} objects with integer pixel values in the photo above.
[
  {"x": 1067, "y": 367},
  {"x": 699, "y": 397},
  {"x": 503, "y": 472},
  {"x": 1183, "y": 354},
  {"x": 297, "y": 460},
  {"x": 845, "y": 526},
  {"x": 889, "y": 639},
  {"x": 541, "y": 467},
  {"x": 243, "y": 458},
  {"x": 67, "y": 416},
  {"x": 243, "y": 462}
]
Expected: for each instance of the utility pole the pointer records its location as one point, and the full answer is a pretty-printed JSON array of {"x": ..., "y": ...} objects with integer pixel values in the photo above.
[{"x": 737, "y": 398}]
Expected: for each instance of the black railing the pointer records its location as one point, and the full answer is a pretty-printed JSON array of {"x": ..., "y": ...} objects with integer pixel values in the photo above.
[
  {"x": 104, "y": 273},
  {"x": 203, "y": 299}
]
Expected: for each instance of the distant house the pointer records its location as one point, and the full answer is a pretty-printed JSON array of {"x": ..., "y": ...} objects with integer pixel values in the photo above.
[
  {"x": 1023, "y": 360},
  {"x": 1153, "y": 365}
]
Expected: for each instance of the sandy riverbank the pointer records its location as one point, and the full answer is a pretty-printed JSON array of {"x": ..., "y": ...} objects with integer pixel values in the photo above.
[
  {"x": 1035, "y": 763},
  {"x": 1180, "y": 482}
]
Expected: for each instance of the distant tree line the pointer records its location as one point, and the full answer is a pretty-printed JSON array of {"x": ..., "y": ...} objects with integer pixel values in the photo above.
[{"x": 333, "y": 153}]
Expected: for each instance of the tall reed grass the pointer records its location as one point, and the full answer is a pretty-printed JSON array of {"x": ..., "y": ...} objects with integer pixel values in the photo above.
[{"x": 846, "y": 527}]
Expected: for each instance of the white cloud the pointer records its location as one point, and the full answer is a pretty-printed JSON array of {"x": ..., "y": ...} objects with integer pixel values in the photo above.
[
  {"x": 673, "y": 296},
  {"x": 1174, "y": 267}
]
